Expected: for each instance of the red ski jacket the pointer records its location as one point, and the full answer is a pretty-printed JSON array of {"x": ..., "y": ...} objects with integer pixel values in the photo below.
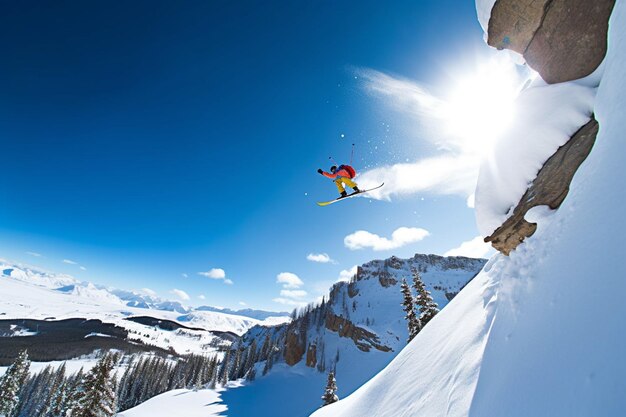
[{"x": 343, "y": 172}]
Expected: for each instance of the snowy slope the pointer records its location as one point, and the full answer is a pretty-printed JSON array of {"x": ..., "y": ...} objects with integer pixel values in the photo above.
[
  {"x": 541, "y": 331},
  {"x": 202, "y": 403}
]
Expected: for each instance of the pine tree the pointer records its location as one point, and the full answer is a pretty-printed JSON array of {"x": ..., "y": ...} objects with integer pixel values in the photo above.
[
  {"x": 250, "y": 358},
  {"x": 55, "y": 392},
  {"x": 330, "y": 393},
  {"x": 269, "y": 363},
  {"x": 11, "y": 383},
  {"x": 98, "y": 398},
  {"x": 225, "y": 369},
  {"x": 58, "y": 400},
  {"x": 409, "y": 308},
  {"x": 265, "y": 349},
  {"x": 33, "y": 394},
  {"x": 214, "y": 378},
  {"x": 74, "y": 394},
  {"x": 427, "y": 306},
  {"x": 251, "y": 374},
  {"x": 234, "y": 372}
]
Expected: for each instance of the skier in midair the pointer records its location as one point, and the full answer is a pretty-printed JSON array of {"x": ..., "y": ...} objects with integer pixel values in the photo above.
[{"x": 342, "y": 175}]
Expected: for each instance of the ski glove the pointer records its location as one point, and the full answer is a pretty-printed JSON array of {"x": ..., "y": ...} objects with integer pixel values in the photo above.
[{"x": 319, "y": 171}]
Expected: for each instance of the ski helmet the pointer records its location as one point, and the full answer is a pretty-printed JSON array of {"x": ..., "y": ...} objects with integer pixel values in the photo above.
[{"x": 333, "y": 169}]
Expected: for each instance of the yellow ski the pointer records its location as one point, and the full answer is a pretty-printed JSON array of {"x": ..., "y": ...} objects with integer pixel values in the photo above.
[{"x": 326, "y": 203}]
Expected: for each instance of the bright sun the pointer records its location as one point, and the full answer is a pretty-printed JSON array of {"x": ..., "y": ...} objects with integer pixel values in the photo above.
[{"x": 480, "y": 105}]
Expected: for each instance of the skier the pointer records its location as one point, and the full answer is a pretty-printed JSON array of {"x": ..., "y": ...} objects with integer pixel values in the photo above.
[{"x": 342, "y": 175}]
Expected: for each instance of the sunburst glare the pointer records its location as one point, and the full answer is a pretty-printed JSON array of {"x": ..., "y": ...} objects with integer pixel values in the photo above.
[{"x": 480, "y": 104}]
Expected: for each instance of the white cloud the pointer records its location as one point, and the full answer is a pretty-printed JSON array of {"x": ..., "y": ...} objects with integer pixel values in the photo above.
[
  {"x": 70, "y": 262},
  {"x": 289, "y": 302},
  {"x": 202, "y": 297},
  {"x": 83, "y": 268},
  {"x": 347, "y": 274},
  {"x": 289, "y": 280},
  {"x": 180, "y": 294},
  {"x": 34, "y": 254},
  {"x": 217, "y": 273},
  {"x": 185, "y": 275},
  {"x": 402, "y": 236},
  {"x": 293, "y": 293},
  {"x": 148, "y": 291},
  {"x": 475, "y": 248},
  {"x": 322, "y": 258},
  {"x": 290, "y": 295},
  {"x": 242, "y": 303}
]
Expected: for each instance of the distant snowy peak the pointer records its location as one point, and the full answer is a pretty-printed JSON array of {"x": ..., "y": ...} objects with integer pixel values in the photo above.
[
  {"x": 34, "y": 276},
  {"x": 246, "y": 312},
  {"x": 62, "y": 296},
  {"x": 90, "y": 291},
  {"x": 218, "y": 321},
  {"x": 140, "y": 300}
]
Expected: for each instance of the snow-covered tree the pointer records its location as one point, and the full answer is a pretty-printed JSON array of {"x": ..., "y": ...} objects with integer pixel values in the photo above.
[
  {"x": 408, "y": 305},
  {"x": 57, "y": 393},
  {"x": 225, "y": 369},
  {"x": 330, "y": 393},
  {"x": 269, "y": 362},
  {"x": 251, "y": 357},
  {"x": 98, "y": 398},
  {"x": 427, "y": 306},
  {"x": 11, "y": 383},
  {"x": 251, "y": 374},
  {"x": 75, "y": 391},
  {"x": 234, "y": 371},
  {"x": 265, "y": 349}
]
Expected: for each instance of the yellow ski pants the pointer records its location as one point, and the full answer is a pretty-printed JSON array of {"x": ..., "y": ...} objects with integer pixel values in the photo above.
[{"x": 340, "y": 181}]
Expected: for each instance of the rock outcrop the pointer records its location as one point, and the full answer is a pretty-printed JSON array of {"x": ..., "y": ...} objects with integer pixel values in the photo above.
[
  {"x": 550, "y": 188},
  {"x": 362, "y": 338},
  {"x": 513, "y": 23},
  {"x": 294, "y": 347},
  {"x": 562, "y": 40}
]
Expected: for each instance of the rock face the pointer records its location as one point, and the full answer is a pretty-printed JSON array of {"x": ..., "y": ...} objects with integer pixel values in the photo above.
[
  {"x": 362, "y": 338},
  {"x": 571, "y": 41},
  {"x": 294, "y": 348},
  {"x": 549, "y": 188},
  {"x": 562, "y": 40}
]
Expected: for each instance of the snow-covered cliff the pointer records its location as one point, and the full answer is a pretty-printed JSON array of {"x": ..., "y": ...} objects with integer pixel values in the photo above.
[{"x": 538, "y": 333}]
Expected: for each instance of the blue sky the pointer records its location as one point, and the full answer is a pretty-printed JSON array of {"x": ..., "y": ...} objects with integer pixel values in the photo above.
[{"x": 145, "y": 140}]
